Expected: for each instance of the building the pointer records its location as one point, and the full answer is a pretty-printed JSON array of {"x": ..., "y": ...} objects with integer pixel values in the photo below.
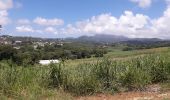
[
  {"x": 47, "y": 62},
  {"x": 18, "y": 42},
  {"x": 4, "y": 40}
]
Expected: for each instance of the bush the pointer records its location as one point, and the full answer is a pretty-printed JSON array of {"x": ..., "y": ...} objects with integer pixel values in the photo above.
[
  {"x": 56, "y": 75},
  {"x": 127, "y": 49},
  {"x": 6, "y": 52}
]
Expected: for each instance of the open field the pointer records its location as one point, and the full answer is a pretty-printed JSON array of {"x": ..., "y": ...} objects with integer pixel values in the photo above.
[
  {"x": 117, "y": 72},
  {"x": 117, "y": 54}
]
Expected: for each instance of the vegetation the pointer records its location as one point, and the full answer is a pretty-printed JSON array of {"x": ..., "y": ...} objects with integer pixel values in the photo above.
[
  {"x": 143, "y": 44},
  {"x": 27, "y": 54},
  {"x": 85, "y": 69},
  {"x": 105, "y": 75}
]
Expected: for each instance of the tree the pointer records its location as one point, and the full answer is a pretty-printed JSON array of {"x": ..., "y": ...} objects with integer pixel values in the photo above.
[
  {"x": 7, "y": 52},
  {"x": 99, "y": 52}
]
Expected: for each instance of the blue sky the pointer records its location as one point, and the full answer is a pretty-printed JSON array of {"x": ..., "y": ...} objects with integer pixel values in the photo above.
[
  {"x": 73, "y": 10},
  {"x": 73, "y": 18}
]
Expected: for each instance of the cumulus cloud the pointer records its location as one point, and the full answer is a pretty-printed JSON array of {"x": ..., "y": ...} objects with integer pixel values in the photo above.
[
  {"x": 143, "y": 3},
  {"x": 24, "y": 29},
  {"x": 167, "y": 1},
  {"x": 4, "y": 6},
  {"x": 27, "y": 29},
  {"x": 161, "y": 25},
  {"x": 48, "y": 22},
  {"x": 3, "y": 13},
  {"x": 50, "y": 30},
  {"x": 127, "y": 24},
  {"x": 133, "y": 25},
  {"x": 4, "y": 17},
  {"x": 26, "y": 25}
]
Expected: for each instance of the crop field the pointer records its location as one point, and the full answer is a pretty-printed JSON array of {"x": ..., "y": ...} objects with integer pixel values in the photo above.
[
  {"x": 118, "y": 71},
  {"x": 118, "y": 54}
]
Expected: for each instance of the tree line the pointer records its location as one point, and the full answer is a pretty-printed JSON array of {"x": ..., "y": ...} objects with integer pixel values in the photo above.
[{"x": 27, "y": 54}]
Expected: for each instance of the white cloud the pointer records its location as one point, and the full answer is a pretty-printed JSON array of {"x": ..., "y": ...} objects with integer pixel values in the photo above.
[
  {"x": 143, "y": 3},
  {"x": 23, "y": 21},
  {"x": 133, "y": 21},
  {"x": 128, "y": 24},
  {"x": 27, "y": 29},
  {"x": 4, "y": 17},
  {"x": 4, "y": 20},
  {"x": 24, "y": 29},
  {"x": 3, "y": 13},
  {"x": 167, "y": 1},
  {"x": 48, "y": 22},
  {"x": 50, "y": 30},
  {"x": 161, "y": 25},
  {"x": 6, "y": 4}
]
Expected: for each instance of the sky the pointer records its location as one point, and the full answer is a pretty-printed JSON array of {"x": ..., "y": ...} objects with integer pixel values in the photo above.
[{"x": 74, "y": 18}]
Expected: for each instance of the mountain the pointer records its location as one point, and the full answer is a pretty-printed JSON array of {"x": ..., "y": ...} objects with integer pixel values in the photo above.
[
  {"x": 146, "y": 39},
  {"x": 26, "y": 39},
  {"x": 99, "y": 38},
  {"x": 102, "y": 38}
]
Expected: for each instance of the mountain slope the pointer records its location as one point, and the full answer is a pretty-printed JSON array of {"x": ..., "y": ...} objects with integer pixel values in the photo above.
[{"x": 102, "y": 38}]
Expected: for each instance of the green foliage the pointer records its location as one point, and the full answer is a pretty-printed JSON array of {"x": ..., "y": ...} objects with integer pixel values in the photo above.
[
  {"x": 16, "y": 82},
  {"x": 99, "y": 52},
  {"x": 159, "y": 74},
  {"x": 85, "y": 79},
  {"x": 6, "y": 52},
  {"x": 127, "y": 49},
  {"x": 111, "y": 76},
  {"x": 135, "y": 78},
  {"x": 56, "y": 75},
  {"x": 28, "y": 55}
]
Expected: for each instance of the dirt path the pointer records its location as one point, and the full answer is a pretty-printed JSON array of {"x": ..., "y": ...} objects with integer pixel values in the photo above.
[
  {"x": 129, "y": 96},
  {"x": 152, "y": 92}
]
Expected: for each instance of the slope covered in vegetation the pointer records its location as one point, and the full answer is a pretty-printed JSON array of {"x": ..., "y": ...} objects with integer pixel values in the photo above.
[{"x": 63, "y": 80}]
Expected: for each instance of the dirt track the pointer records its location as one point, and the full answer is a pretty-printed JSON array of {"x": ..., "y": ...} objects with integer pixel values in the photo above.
[
  {"x": 152, "y": 92},
  {"x": 129, "y": 96}
]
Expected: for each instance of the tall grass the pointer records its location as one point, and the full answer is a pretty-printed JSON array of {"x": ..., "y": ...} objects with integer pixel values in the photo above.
[
  {"x": 112, "y": 76},
  {"x": 85, "y": 79},
  {"x": 17, "y": 82}
]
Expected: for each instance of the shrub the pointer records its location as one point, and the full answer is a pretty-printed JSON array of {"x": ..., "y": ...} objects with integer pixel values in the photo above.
[{"x": 56, "y": 75}]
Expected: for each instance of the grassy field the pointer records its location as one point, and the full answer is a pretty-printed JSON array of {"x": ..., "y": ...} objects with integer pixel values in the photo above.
[
  {"x": 117, "y": 71},
  {"x": 118, "y": 54}
]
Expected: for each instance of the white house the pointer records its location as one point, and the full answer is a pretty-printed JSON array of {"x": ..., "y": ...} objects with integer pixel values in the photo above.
[{"x": 47, "y": 62}]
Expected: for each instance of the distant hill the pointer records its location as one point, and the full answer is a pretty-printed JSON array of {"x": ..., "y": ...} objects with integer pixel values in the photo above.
[
  {"x": 146, "y": 39},
  {"x": 26, "y": 39},
  {"x": 100, "y": 38}
]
